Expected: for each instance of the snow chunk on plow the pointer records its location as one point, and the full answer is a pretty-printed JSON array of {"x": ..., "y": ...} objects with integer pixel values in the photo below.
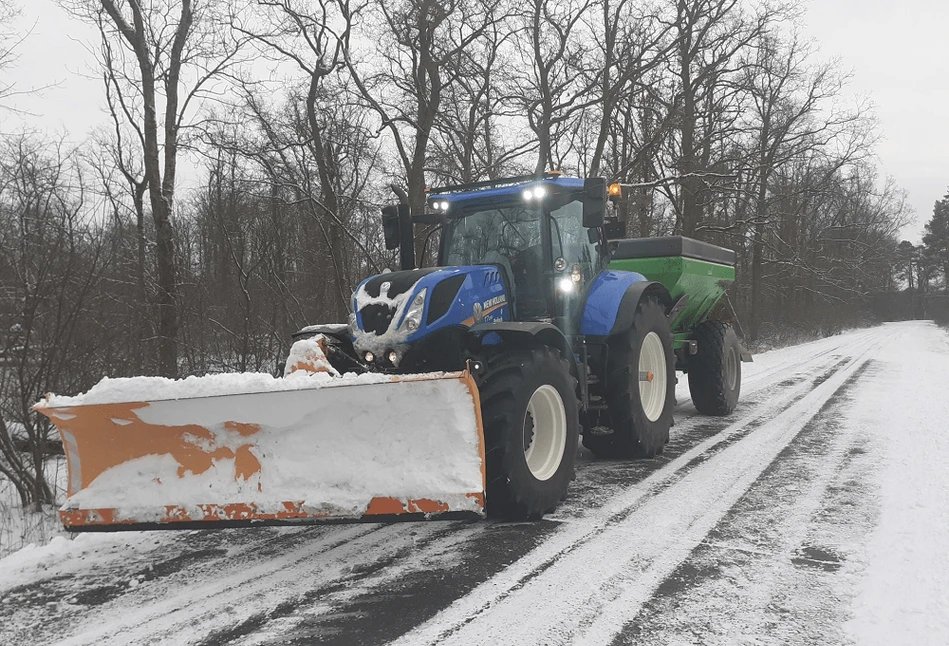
[{"x": 308, "y": 448}]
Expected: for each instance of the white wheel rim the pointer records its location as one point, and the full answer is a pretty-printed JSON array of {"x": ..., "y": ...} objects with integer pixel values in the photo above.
[
  {"x": 546, "y": 448},
  {"x": 652, "y": 376},
  {"x": 731, "y": 368}
]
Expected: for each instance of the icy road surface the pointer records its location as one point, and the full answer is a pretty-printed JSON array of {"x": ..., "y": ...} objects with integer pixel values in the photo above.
[{"x": 817, "y": 513}]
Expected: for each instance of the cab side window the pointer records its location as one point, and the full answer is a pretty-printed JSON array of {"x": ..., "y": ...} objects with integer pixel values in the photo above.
[{"x": 571, "y": 241}]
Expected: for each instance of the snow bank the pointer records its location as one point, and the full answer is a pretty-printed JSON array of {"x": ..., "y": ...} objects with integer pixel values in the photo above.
[
  {"x": 79, "y": 553},
  {"x": 903, "y": 595},
  {"x": 21, "y": 526}
]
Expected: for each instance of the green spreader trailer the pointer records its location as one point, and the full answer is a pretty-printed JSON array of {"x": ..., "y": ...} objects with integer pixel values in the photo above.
[{"x": 697, "y": 276}]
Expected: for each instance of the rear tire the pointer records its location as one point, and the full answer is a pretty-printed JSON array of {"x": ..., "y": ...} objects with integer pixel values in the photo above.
[
  {"x": 715, "y": 371},
  {"x": 640, "y": 387},
  {"x": 531, "y": 429}
]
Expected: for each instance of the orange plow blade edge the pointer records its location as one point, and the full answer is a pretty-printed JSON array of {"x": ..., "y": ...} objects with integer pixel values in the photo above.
[{"x": 409, "y": 447}]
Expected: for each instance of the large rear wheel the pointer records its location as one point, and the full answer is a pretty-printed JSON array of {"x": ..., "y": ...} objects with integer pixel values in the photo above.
[
  {"x": 531, "y": 429},
  {"x": 640, "y": 387}
]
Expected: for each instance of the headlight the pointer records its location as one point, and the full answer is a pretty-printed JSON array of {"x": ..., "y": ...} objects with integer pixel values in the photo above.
[
  {"x": 566, "y": 285},
  {"x": 413, "y": 318}
]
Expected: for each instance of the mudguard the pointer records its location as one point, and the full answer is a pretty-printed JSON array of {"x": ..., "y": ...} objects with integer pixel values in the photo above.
[
  {"x": 612, "y": 301},
  {"x": 544, "y": 333}
]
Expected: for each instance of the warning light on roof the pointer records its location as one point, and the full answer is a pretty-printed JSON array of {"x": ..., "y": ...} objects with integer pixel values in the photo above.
[{"x": 616, "y": 190}]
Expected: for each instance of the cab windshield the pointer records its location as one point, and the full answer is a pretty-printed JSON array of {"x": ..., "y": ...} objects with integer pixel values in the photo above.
[
  {"x": 492, "y": 236},
  {"x": 510, "y": 237}
]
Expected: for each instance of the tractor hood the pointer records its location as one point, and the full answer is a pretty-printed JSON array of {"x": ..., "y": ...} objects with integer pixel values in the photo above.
[{"x": 394, "y": 309}]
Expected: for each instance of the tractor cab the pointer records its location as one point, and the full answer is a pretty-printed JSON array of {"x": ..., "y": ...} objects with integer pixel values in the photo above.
[{"x": 543, "y": 233}]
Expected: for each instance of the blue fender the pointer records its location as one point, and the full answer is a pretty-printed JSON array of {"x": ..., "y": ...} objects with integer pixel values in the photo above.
[
  {"x": 611, "y": 303},
  {"x": 522, "y": 333}
]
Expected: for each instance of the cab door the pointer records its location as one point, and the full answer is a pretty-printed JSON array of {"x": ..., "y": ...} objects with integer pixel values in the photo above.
[{"x": 575, "y": 261}]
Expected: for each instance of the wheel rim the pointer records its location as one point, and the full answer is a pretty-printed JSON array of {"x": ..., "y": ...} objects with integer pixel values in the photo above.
[
  {"x": 652, "y": 376},
  {"x": 544, "y": 445},
  {"x": 731, "y": 368}
]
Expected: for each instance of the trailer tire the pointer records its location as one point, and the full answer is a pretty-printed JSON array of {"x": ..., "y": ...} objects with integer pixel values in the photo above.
[
  {"x": 528, "y": 469},
  {"x": 715, "y": 370},
  {"x": 640, "y": 415}
]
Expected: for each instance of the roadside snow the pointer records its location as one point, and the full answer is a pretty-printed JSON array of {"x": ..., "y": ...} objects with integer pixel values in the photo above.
[
  {"x": 21, "y": 526},
  {"x": 79, "y": 553},
  {"x": 903, "y": 597}
]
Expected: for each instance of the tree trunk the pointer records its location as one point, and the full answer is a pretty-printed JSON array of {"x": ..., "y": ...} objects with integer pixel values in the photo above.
[
  {"x": 138, "y": 334},
  {"x": 754, "y": 323},
  {"x": 160, "y": 190}
]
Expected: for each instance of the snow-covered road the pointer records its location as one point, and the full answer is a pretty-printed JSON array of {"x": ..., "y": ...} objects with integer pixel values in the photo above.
[{"x": 817, "y": 513}]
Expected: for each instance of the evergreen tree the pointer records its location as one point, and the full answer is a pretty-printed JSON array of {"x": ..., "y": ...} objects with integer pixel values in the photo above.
[{"x": 936, "y": 239}]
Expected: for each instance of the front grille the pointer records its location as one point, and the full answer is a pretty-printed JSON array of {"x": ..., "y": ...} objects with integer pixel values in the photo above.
[
  {"x": 443, "y": 296},
  {"x": 376, "y": 318}
]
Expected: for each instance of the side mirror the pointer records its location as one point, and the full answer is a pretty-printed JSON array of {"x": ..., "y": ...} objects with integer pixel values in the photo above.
[
  {"x": 390, "y": 226},
  {"x": 399, "y": 233},
  {"x": 594, "y": 202}
]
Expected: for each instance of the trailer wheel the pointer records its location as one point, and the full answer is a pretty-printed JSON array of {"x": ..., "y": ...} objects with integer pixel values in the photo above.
[
  {"x": 640, "y": 387},
  {"x": 715, "y": 371},
  {"x": 531, "y": 429}
]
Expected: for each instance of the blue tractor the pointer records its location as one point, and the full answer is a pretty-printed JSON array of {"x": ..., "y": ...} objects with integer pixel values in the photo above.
[{"x": 560, "y": 344}]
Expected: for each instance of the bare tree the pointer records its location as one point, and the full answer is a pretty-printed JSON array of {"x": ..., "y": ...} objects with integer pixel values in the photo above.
[
  {"x": 467, "y": 145},
  {"x": 419, "y": 56},
  {"x": 791, "y": 117},
  {"x": 10, "y": 39},
  {"x": 51, "y": 262},
  {"x": 312, "y": 35},
  {"x": 556, "y": 77},
  {"x": 710, "y": 36},
  {"x": 118, "y": 161},
  {"x": 160, "y": 59},
  {"x": 632, "y": 43}
]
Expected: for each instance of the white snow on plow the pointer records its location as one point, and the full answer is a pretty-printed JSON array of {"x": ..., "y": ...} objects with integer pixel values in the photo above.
[
  {"x": 332, "y": 443},
  {"x": 134, "y": 389}
]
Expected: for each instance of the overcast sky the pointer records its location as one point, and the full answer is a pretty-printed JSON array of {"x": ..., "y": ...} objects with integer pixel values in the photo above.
[{"x": 898, "y": 52}]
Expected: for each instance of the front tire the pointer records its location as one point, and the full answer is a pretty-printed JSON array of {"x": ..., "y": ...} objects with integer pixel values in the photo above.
[
  {"x": 531, "y": 429},
  {"x": 640, "y": 387},
  {"x": 715, "y": 371}
]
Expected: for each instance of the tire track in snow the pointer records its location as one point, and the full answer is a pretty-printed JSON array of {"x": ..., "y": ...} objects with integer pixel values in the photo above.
[
  {"x": 426, "y": 549},
  {"x": 613, "y": 568},
  {"x": 76, "y": 582},
  {"x": 394, "y": 599},
  {"x": 763, "y": 569},
  {"x": 708, "y": 505},
  {"x": 323, "y": 620},
  {"x": 818, "y": 354},
  {"x": 340, "y": 612},
  {"x": 161, "y": 604},
  {"x": 192, "y": 612},
  {"x": 598, "y": 481}
]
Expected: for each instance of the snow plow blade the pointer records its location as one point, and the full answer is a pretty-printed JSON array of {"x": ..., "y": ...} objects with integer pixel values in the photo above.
[{"x": 307, "y": 449}]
